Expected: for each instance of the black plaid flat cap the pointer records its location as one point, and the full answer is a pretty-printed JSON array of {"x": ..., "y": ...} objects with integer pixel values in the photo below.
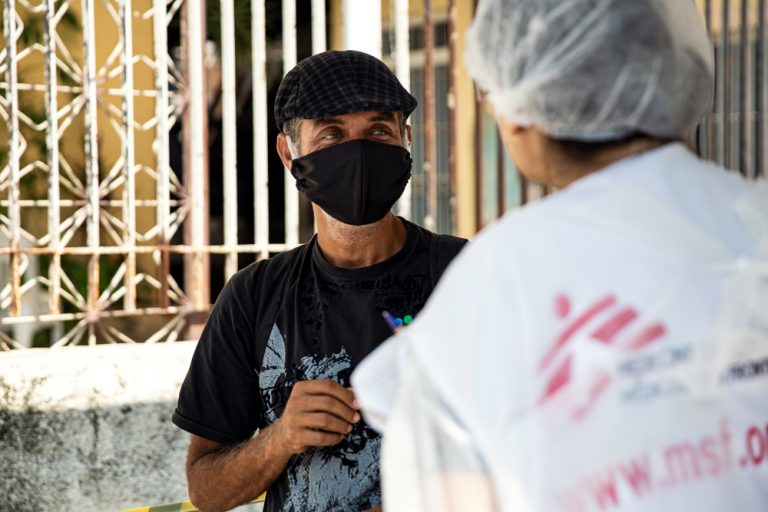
[{"x": 339, "y": 82}]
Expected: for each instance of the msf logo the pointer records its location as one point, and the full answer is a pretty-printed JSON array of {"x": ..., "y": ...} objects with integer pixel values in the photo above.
[{"x": 611, "y": 323}]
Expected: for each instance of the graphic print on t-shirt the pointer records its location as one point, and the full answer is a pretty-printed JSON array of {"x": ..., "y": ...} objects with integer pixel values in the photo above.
[{"x": 321, "y": 478}]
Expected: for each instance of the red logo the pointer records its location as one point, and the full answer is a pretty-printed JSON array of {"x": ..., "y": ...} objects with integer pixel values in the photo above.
[{"x": 617, "y": 320}]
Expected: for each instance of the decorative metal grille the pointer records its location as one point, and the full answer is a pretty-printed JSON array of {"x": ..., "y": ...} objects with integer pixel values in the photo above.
[
  {"x": 89, "y": 218},
  {"x": 104, "y": 179}
]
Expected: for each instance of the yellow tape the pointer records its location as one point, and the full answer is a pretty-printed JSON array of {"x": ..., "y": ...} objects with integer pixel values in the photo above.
[{"x": 184, "y": 506}]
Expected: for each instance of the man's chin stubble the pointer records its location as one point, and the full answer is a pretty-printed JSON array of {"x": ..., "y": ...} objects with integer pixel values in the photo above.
[{"x": 348, "y": 232}]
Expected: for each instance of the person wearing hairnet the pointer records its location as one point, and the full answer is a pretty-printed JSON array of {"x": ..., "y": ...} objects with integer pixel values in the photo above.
[
  {"x": 605, "y": 348},
  {"x": 267, "y": 397}
]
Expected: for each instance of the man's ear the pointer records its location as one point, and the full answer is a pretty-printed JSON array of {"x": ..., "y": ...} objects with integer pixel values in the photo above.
[
  {"x": 284, "y": 151},
  {"x": 408, "y": 134}
]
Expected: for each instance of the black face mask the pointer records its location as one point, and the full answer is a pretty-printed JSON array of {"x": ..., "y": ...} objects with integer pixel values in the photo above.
[{"x": 356, "y": 182}]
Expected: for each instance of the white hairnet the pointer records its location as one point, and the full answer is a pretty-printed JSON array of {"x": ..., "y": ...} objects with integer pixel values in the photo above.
[{"x": 593, "y": 69}]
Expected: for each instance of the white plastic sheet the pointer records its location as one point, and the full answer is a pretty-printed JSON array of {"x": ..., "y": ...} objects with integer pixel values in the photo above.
[{"x": 603, "y": 349}]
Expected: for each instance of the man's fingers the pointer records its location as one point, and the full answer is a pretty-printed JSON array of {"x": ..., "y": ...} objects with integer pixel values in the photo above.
[
  {"x": 330, "y": 405},
  {"x": 329, "y": 387},
  {"x": 318, "y": 438},
  {"x": 318, "y": 413},
  {"x": 325, "y": 396},
  {"x": 326, "y": 422}
]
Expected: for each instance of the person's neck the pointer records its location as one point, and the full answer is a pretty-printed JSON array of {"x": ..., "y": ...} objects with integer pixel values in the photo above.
[
  {"x": 351, "y": 247},
  {"x": 564, "y": 171}
]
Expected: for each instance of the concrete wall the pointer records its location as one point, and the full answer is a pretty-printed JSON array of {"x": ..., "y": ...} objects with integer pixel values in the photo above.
[{"x": 88, "y": 428}]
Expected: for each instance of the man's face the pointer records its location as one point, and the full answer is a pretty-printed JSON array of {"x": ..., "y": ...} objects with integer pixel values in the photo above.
[
  {"x": 381, "y": 127},
  {"x": 316, "y": 134}
]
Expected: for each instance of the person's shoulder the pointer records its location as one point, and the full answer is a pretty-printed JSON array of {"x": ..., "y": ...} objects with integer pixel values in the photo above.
[
  {"x": 519, "y": 223},
  {"x": 444, "y": 248},
  {"x": 728, "y": 183},
  {"x": 448, "y": 241},
  {"x": 250, "y": 279},
  {"x": 451, "y": 241},
  {"x": 448, "y": 246}
]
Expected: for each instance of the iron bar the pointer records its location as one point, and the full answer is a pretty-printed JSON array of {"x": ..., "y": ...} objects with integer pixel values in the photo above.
[
  {"x": 14, "y": 155},
  {"x": 45, "y": 203},
  {"x": 727, "y": 85},
  {"x": 148, "y": 249},
  {"x": 719, "y": 92},
  {"x": 453, "y": 41},
  {"x": 169, "y": 328},
  {"x": 91, "y": 154},
  {"x": 196, "y": 265},
  {"x": 129, "y": 160},
  {"x": 746, "y": 104},
  {"x": 52, "y": 143},
  {"x": 479, "y": 178},
  {"x": 291, "y": 207},
  {"x": 430, "y": 147},
  {"x": 43, "y": 87},
  {"x": 403, "y": 72},
  {"x": 524, "y": 190},
  {"x": 362, "y": 26},
  {"x": 162, "y": 143},
  {"x": 710, "y": 121},
  {"x": 500, "y": 177},
  {"x": 229, "y": 132},
  {"x": 318, "y": 26},
  {"x": 761, "y": 96},
  {"x": 260, "y": 142},
  {"x": 66, "y": 317}
]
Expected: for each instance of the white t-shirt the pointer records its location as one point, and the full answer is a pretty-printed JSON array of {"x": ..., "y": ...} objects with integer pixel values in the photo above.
[{"x": 605, "y": 348}]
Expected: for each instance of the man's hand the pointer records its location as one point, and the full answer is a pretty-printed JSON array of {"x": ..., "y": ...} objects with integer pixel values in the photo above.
[{"x": 318, "y": 413}]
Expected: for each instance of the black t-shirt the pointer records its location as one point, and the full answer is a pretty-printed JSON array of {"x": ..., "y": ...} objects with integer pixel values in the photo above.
[{"x": 296, "y": 317}]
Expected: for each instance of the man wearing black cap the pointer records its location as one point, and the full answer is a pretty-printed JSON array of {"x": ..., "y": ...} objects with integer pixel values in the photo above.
[{"x": 267, "y": 397}]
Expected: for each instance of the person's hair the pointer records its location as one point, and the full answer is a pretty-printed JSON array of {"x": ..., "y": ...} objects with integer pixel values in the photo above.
[
  {"x": 579, "y": 150},
  {"x": 292, "y": 129}
]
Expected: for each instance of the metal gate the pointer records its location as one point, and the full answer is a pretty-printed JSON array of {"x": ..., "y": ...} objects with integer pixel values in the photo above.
[
  {"x": 93, "y": 210},
  {"x": 114, "y": 225},
  {"x": 106, "y": 191}
]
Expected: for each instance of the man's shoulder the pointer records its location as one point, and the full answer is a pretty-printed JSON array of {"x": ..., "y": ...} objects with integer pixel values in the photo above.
[
  {"x": 448, "y": 242},
  {"x": 443, "y": 249},
  {"x": 447, "y": 247},
  {"x": 267, "y": 271}
]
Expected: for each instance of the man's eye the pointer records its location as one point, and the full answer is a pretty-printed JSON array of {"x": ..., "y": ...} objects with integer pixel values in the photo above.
[
  {"x": 330, "y": 135},
  {"x": 380, "y": 131}
]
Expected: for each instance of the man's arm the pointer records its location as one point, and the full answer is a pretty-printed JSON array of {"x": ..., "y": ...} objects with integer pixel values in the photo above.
[{"x": 221, "y": 477}]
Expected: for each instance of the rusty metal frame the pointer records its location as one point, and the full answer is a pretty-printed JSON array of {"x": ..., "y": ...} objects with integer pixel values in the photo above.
[
  {"x": 430, "y": 144},
  {"x": 82, "y": 218}
]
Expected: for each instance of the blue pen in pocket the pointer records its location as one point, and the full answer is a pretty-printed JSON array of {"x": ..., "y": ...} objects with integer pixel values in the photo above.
[{"x": 392, "y": 322}]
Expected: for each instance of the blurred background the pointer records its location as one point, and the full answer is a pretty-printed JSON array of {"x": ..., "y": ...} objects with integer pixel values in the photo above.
[{"x": 137, "y": 174}]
